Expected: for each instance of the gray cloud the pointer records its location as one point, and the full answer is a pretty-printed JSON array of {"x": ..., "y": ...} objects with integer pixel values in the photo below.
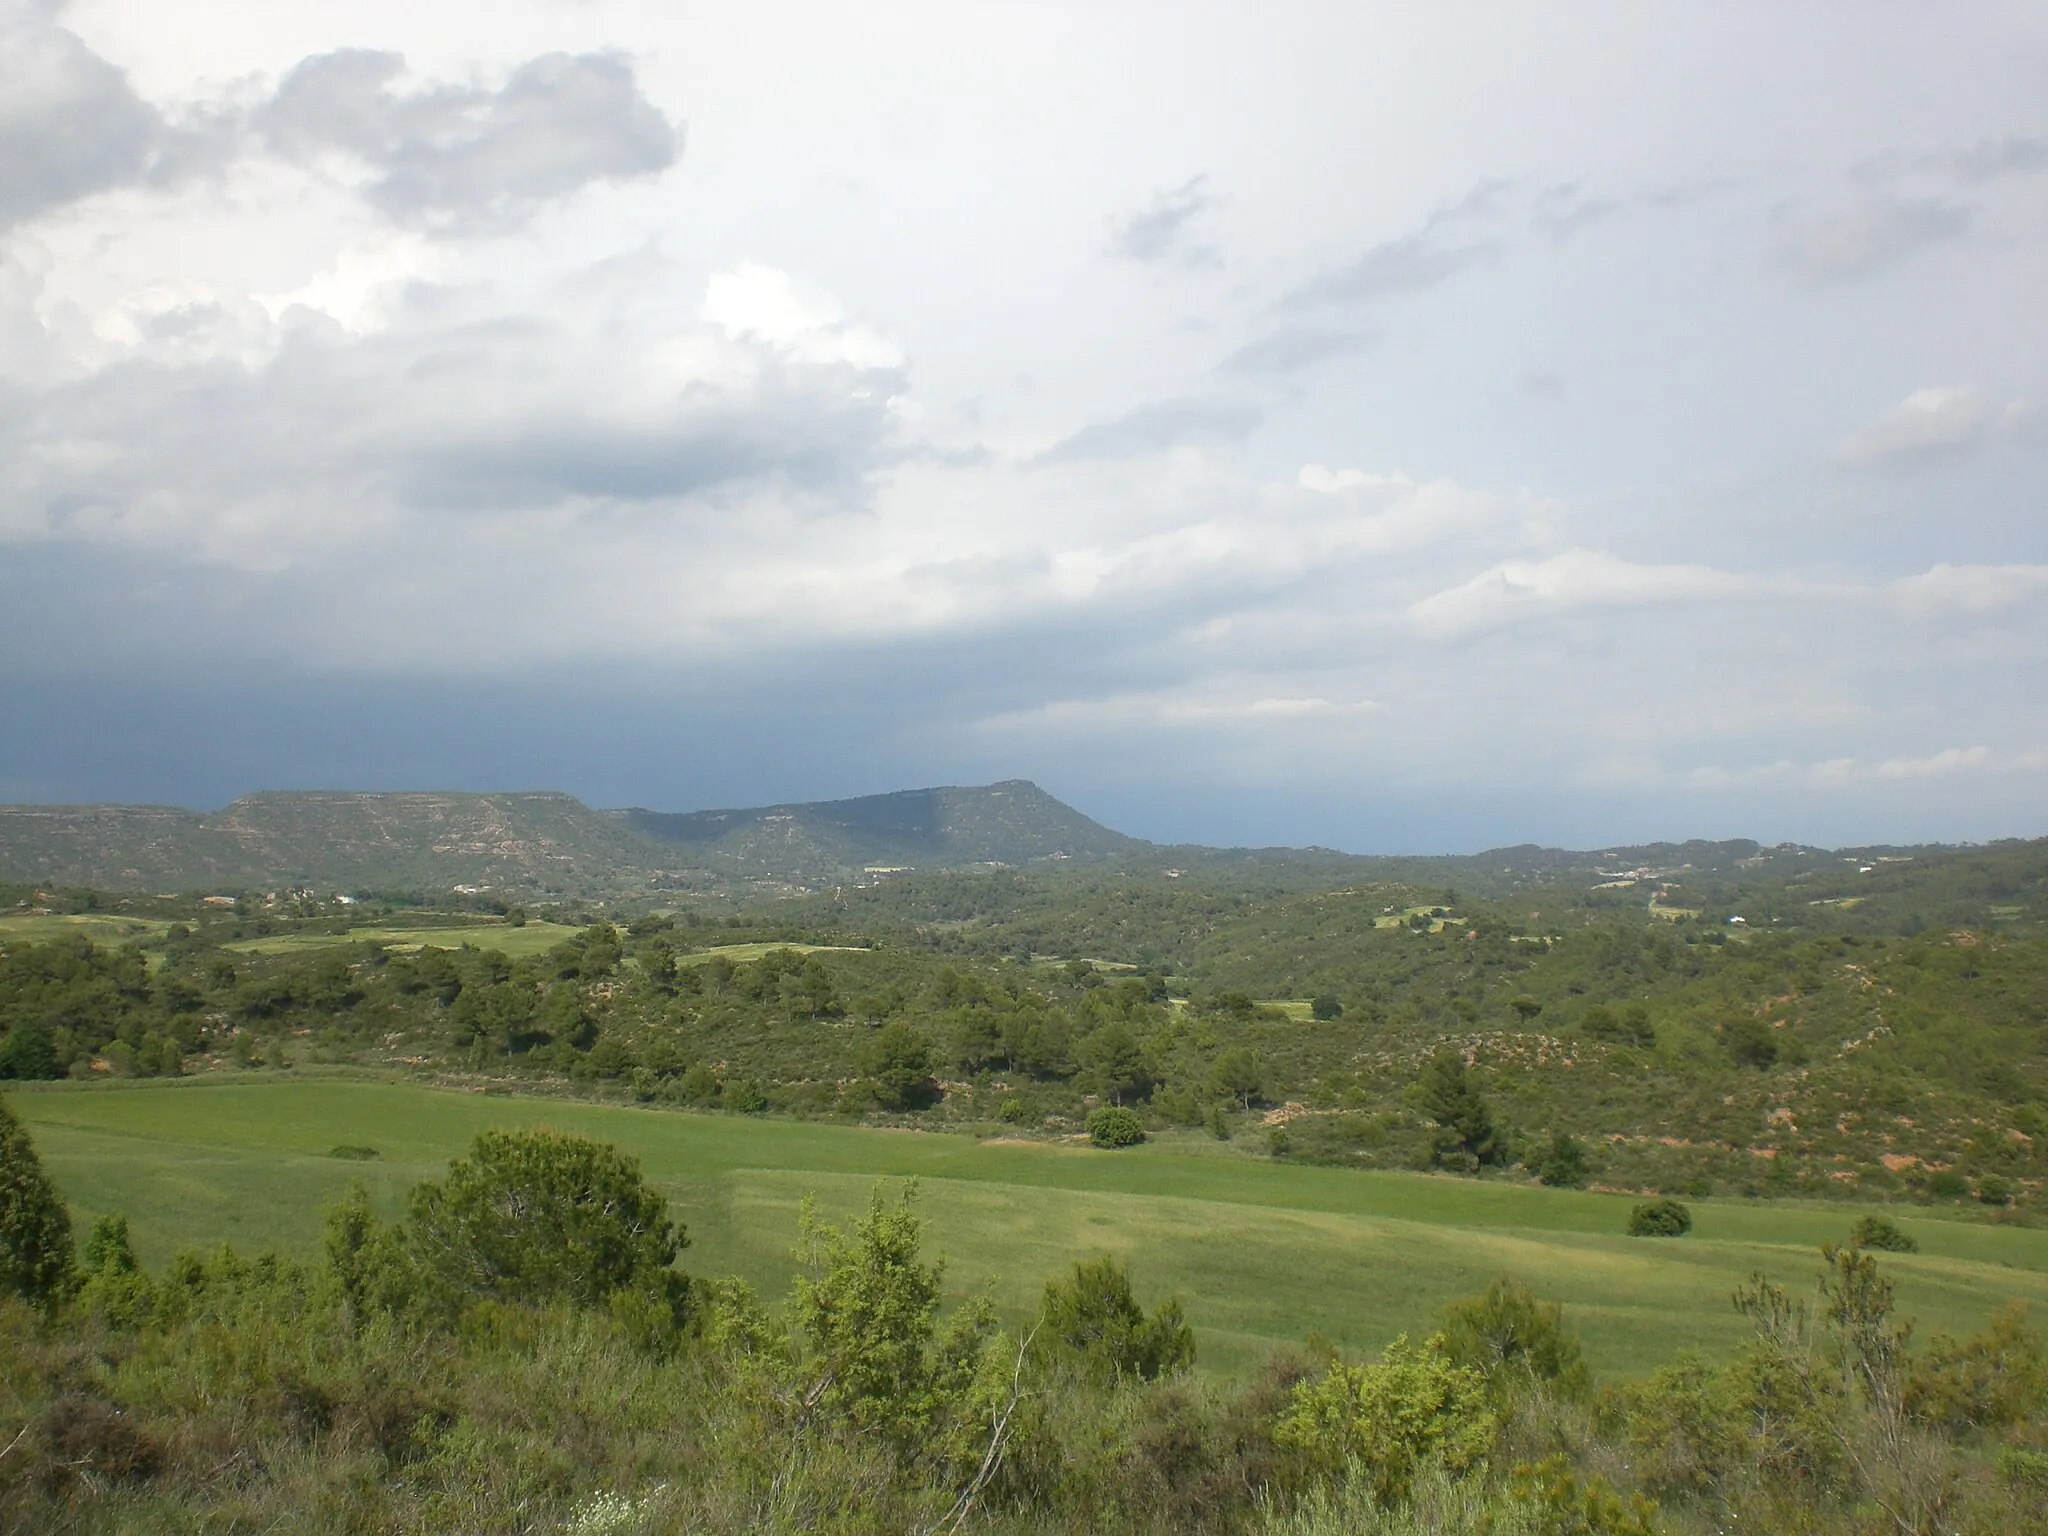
[
  {"x": 336, "y": 436},
  {"x": 1423, "y": 259},
  {"x": 1161, "y": 230},
  {"x": 463, "y": 153},
  {"x": 1152, "y": 428},
  {"x": 1291, "y": 348},
  {"x": 2002, "y": 157},
  {"x": 69, "y": 124},
  {"x": 1866, "y": 239}
]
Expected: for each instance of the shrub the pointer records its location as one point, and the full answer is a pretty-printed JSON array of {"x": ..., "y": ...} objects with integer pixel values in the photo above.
[
  {"x": 1992, "y": 1189},
  {"x": 1565, "y": 1165},
  {"x": 1512, "y": 1339},
  {"x": 354, "y": 1153},
  {"x": 534, "y": 1215},
  {"x": 1884, "y": 1234},
  {"x": 1947, "y": 1184},
  {"x": 1660, "y": 1218},
  {"x": 1115, "y": 1126},
  {"x": 35, "y": 1228},
  {"x": 1566, "y": 1505},
  {"x": 1094, "y": 1315},
  {"x": 1997, "y": 1378},
  {"x": 1324, "y": 1009},
  {"x": 1386, "y": 1420}
]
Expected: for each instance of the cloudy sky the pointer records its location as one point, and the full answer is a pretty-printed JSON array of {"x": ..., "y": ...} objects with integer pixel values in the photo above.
[{"x": 1385, "y": 426}]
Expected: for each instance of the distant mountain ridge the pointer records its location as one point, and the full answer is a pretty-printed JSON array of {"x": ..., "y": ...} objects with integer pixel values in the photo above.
[
  {"x": 545, "y": 845},
  {"x": 1012, "y": 822},
  {"x": 540, "y": 844}
]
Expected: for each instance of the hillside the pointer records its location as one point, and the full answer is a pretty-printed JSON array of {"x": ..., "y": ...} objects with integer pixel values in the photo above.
[
  {"x": 1013, "y": 822},
  {"x": 541, "y": 846}
]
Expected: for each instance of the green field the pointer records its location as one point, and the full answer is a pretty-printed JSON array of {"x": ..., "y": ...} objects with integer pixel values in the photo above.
[
  {"x": 741, "y": 954},
  {"x": 100, "y": 927},
  {"x": 527, "y": 939},
  {"x": 1261, "y": 1253}
]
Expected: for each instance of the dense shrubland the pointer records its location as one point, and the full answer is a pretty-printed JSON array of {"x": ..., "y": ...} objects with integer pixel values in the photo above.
[{"x": 520, "y": 1351}]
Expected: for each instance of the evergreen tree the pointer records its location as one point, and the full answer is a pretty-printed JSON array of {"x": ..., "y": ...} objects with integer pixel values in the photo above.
[
  {"x": 1464, "y": 1121},
  {"x": 35, "y": 1228}
]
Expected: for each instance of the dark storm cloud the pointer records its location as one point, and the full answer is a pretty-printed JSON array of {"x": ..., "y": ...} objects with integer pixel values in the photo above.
[
  {"x": 1161, "y": 231},
  {"x": 1151, "y": 428},
  {"x": 1292, "y": 348},
  {"x": 1866, "y": 238},
  {"x": 69, "y": 124},
  {"x": 462, "y": 152}
]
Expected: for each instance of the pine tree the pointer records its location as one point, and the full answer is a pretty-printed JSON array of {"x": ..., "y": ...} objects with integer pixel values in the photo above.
[{"x": 35, "y": 1228}]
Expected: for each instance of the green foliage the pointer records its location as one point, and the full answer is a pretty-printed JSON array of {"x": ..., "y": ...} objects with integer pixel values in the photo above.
[
  {"x": 1997, "y": 1379},
  {"x": 1564, "y": 1503},
  {"x": 1114, "y": 1126},
  {"x": 868, "y": 1308},
  {"x": 1660, "y": 1218},
  {"x": 1465, "y": 1134},
  {"x": 1387, "y": 1419},
  {"x": 533, "y": 1215},
  {"x": 899, "y": 1059},
  {"x": 1564, "y": 1165},
  {"x": 1094, "y": 1317},
  {"x": 1515, "y": 1341},
  {"x": 35, "y": 1228},
  {"x": 1236, "y": 1076},
  {"x": 1883, "y": 1234},
  {"x": 107, "y": 1248}
]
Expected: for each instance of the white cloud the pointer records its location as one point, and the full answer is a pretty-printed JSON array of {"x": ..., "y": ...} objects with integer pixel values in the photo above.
[
  {"x": 753, "y": 300},
  {"x": 1971, "y": 589},
  {"x": 1937, "y": 420},
  {"x": 1577, "y": 579}
]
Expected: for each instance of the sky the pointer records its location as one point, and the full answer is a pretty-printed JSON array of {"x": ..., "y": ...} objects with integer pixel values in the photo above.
[{"x": 1389, "y": 427}]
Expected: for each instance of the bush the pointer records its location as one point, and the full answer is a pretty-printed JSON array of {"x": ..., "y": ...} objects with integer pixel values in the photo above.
[
  {"x": 1660, "y": 1218},
  {"x": 1947, "y": 1184},
  {"x": 1512, "y": 1339},
  {"x": 1095, "y": 1316},
  {"x": 1115, "y": 1126},
  {"x": 1992, "y": 1189},
  {"x": 1386, "y": 1420},
  {"x": 534, "y": 1215},
  {"x": 35, "y": 1228},
  {"x": 1565, "y": 1166},
  {"x": 1884, "y": 1234}
]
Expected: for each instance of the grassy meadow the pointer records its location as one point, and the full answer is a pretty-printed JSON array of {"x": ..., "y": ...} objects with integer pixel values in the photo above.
[
  {"x": 1261, "y": 1253},
  {"x": 100, "y": 927},
  {"x": 532, "y": 938}
]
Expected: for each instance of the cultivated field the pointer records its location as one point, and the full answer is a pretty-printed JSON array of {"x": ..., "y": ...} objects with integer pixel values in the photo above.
[{"x": 1261, "y": 1253}]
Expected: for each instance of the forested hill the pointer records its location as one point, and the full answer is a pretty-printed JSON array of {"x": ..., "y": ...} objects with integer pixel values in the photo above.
[
  {"x": 1013, "y": 822},
  {"x": 543, "y": 846}
]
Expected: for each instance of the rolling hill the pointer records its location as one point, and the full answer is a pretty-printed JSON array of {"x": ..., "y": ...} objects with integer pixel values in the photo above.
[{"x": 541, "y": 845}]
